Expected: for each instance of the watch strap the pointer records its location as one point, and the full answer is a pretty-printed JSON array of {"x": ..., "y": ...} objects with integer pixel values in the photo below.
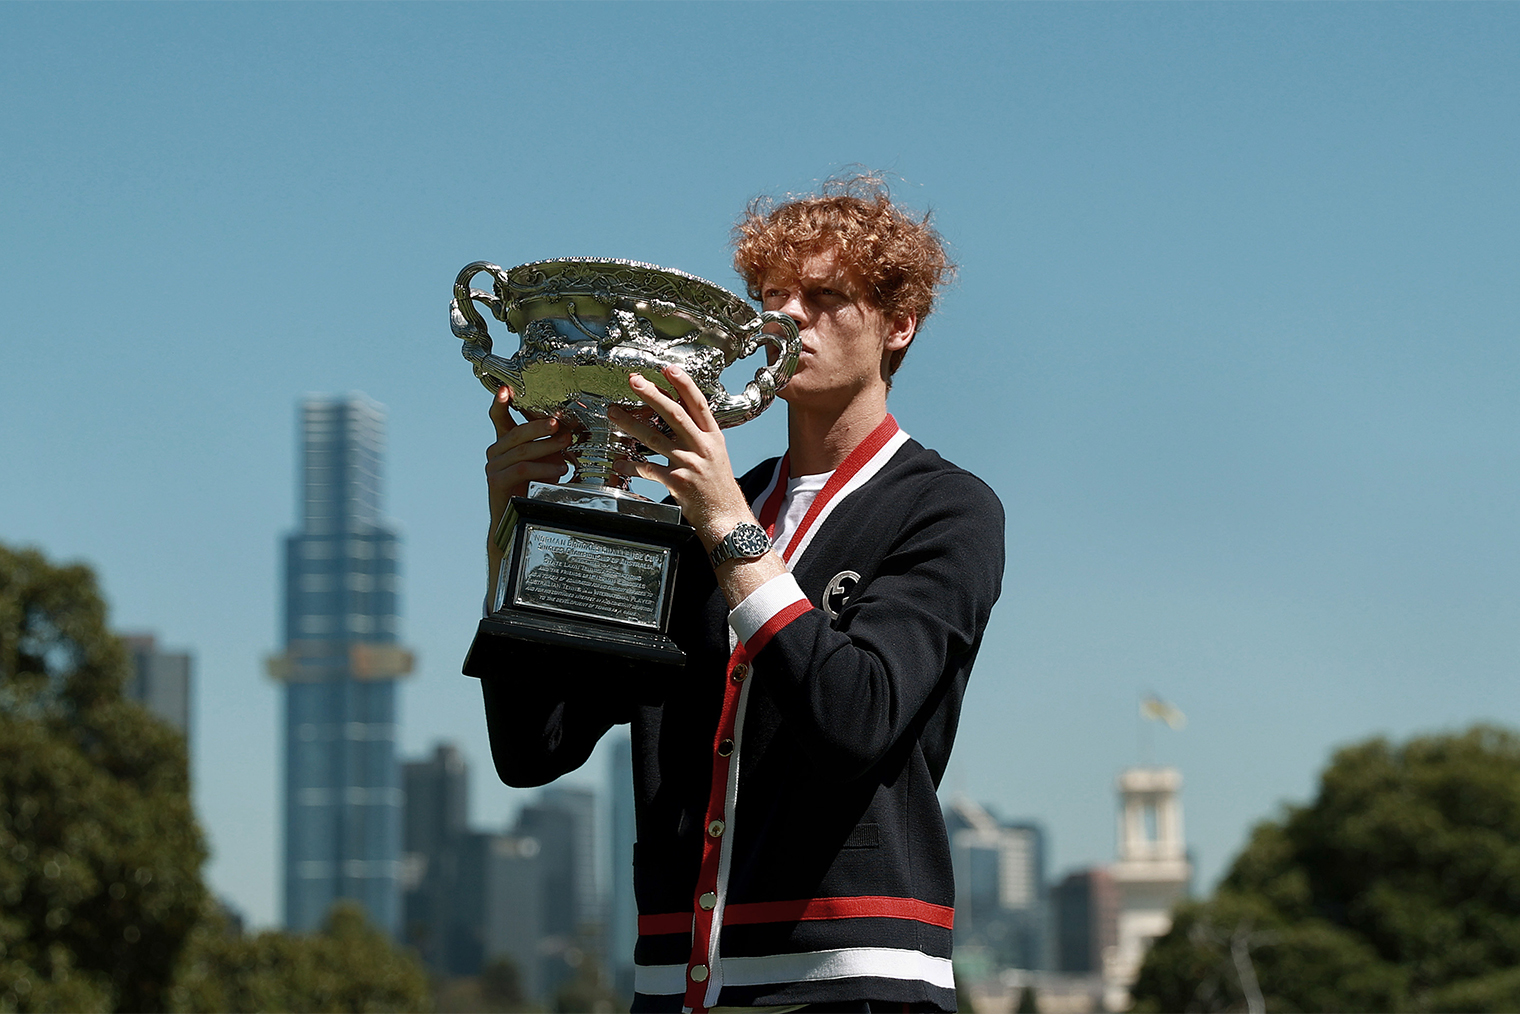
[{"x": 747, "y": 541}]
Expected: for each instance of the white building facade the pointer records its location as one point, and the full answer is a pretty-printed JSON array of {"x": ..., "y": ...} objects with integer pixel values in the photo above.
[{"x": 1152, "y": 873}]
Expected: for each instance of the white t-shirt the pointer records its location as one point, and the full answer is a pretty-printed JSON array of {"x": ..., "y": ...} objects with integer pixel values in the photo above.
[{"x": 800, "y": 494}]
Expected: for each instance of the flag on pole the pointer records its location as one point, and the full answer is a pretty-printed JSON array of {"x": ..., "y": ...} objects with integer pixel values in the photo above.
[{"x": 1155, "y": 708}]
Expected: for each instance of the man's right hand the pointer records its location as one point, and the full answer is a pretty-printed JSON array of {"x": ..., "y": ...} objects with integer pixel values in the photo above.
[{"x": 524, "y": 452}]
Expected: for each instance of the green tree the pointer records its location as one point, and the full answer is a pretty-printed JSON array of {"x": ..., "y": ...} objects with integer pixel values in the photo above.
[
  {"x": 100, "y": 854},
  {"x": 586, "y": 992},
  {"x": 496, "y": 990},
  {"x": 350, "y": 966},
  {"x": 501, "y": 984},
  {"x": 1396, "y": 889},
  {"x": 102, "y": 907}
]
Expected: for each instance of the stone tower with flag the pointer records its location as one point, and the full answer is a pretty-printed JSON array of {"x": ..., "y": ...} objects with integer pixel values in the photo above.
[{"x": 1152, "y": 873}]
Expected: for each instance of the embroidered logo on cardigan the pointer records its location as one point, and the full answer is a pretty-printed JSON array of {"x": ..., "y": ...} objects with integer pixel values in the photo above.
[{"x": 836, "y": 594}]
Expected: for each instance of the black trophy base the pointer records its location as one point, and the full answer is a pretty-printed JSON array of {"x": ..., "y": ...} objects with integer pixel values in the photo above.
[
  {"x": 503, "y": 639},
  {"x": 551, "y": 591}
]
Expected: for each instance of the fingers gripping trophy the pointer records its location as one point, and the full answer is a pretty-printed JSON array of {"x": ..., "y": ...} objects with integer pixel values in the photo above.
[{"x": 589, "y": 566}]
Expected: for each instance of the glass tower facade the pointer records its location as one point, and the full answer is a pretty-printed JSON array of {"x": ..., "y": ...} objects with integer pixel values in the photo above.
[{"x": 343, "y": 795}]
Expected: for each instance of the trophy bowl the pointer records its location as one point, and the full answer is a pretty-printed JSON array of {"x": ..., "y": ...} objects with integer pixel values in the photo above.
[
  {"x": 588, "y": 570},
  {"x": 587, "y": 324}
]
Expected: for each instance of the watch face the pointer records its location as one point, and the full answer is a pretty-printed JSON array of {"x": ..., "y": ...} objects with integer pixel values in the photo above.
[{"x": 750, "y": 541}]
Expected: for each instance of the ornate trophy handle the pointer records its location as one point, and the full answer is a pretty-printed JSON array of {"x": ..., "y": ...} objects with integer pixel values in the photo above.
[
  {"x": 731, "y": 410},
  {"x": 470, "y": 327}
]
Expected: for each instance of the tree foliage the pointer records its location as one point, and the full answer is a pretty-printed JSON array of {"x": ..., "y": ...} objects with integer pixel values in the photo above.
[
  {"x": 102, "y": 907},
  {"x": 349, "y": 966},
  {"x": 586, "y": 992},
  {"x": 100, "y": 854},
  {"x": 1396, "y": 889},
  {"x": 501, "y": 983},
  {"x": 496, "y": 990}
]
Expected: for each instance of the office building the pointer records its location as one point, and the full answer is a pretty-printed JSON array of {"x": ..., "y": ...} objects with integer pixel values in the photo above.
[
  {"x": 513, "y": 892},
  {"x": 341, "y": 659},
  {"x": 435, "y": 824},
  {"x": 472, "y": 897},
  {"x": 563, "y": 823},
  {"x": 1000, "y": 903},
  {"x": 160, "y": 680},
  {"x": 1085, "y": 910},
  {"x": 467, "y": 896}
]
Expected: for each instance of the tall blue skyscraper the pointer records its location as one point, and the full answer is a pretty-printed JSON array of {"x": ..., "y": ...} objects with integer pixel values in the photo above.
[{"x": 343, "y": 793}]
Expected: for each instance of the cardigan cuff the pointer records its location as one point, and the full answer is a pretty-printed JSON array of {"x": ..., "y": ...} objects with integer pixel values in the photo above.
[{"x": 766, "y": 610}]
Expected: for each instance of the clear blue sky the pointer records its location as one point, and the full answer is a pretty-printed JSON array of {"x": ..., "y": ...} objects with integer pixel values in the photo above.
[{"x": 1235, "y": 338}]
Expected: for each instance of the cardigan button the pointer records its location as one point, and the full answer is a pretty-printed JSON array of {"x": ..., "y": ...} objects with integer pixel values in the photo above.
[
  {"x": 725, "y": 748},
  {"x": 740, "y": 671},
  {"x": 715, "y": 829},
  {"x": 698, "y": 973},
  {"x": 708, "y": 901}
]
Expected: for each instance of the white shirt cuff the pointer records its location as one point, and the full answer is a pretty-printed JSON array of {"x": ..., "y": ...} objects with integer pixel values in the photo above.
[{"x": 763, "y": 603}]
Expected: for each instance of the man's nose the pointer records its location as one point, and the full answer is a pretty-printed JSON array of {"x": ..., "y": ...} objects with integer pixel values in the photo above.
[{"x": 793, "y": 307}]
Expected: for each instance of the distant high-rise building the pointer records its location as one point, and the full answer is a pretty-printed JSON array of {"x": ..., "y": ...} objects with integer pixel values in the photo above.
[
  {"x": 160, "y": 680},
  {"x": 435, "y": 824},
  {"x": 437, "y": 799},
  {"x": 1151, "y": 876},
  {"x": 512, "y": 892},
  {"x": 563, "y": 822},
  {"x": 564, "y": 819},
  {"x": 342, "y": 783},
  {"x": 999, "y": 887},
  {"x": 1084, "y": 907},
  {"x": 467, "y": 896},
  {"x": 623, "y": 914},
  {"x": 472, "y": 897}
]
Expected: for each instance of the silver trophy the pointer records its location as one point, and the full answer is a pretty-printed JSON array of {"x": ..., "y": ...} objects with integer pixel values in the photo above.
[{"x": 590, "y": 565}]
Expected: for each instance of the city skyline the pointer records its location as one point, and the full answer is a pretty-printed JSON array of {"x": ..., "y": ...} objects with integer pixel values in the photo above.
[
  {"x": 1233, "y": 339},
  {"x": 555, "y": 888}
]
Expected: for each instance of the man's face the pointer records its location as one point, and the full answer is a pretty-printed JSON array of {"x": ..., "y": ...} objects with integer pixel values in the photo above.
[{"x": 845, "y": 337}]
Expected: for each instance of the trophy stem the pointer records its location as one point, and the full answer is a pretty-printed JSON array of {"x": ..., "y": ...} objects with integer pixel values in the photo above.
[
  {"x": 597, "y": 445},
  {"x": 593, "y": 467}
]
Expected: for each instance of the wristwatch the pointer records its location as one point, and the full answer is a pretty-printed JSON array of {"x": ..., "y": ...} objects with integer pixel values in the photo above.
[{"x": 748, "y": 541}]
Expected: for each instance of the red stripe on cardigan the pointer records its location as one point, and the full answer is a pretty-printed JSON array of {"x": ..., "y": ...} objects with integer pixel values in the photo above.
[
  {"x": 807, "y": 910},
  {"x": 853, "y": 462},
  {"x": 867, "y": 907},
  {"x": 668, "y": 922},
  {"x": 771, "y": 627}
]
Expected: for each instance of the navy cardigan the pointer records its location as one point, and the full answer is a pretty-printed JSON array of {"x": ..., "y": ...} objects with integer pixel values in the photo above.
[{"x": 791, "y": 847}]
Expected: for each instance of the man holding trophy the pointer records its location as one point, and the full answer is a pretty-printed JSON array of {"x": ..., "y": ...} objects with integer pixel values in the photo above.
[{"x": 788, "y": 744}]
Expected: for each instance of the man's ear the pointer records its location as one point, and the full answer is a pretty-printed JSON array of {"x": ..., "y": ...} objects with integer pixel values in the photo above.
[
  {"x": 904, "y": 325},
  {"x": 898, "y": 338}
]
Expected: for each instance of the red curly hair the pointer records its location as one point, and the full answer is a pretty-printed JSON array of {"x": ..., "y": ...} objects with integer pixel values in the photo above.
[{"x": 900, "y": 258}]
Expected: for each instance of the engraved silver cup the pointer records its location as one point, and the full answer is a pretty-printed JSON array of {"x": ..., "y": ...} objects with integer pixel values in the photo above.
[{"x": 588, "y": 323}]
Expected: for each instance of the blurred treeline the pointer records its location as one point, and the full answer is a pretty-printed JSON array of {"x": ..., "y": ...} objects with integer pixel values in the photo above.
[
  {"x": 102, "y": 907},
  {"x": 1396, "y": 889}
]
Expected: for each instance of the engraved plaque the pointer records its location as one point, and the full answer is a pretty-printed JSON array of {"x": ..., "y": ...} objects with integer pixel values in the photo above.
[{"x": 592, "y": 576}]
